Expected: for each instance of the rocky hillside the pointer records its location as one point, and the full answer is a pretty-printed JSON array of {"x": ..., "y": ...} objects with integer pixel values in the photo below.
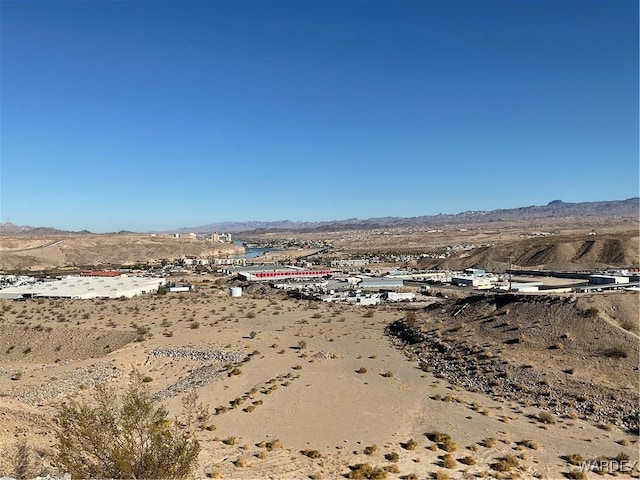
[
  {"x": 551, "y": 253},
  {"x": 573, "y": 356},
  {"x": 40, "y": 253}
]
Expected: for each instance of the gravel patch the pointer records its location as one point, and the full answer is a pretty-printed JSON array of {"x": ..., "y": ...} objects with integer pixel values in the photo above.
[
  {"x": 66, "y": 383},
  {"x": 215, "y": 366}
]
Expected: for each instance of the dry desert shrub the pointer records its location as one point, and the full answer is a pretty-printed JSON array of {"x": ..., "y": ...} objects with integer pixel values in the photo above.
[
  {"x": 370, "y": 450},
  {"x": 230, "y": 441},
  {"x": 442, "y": 475},
  {"x": 546, "y": 417},
  {"x": 530, "y": 444},
  {"x": 411, "y": 444},
  {"x": 448, "y": 461},
  {"x": 577, "y": 474},
  {"x": 506, "y": 463},
  {"x": 273, "y": 445},
  {"x": 21, "y": 460},
  {"x": 364, "y": 470},
  {"x": 392, "y": 468},
  {"x": 438, "y": 437},
  {"x": 468, "y": 460},
  {"x": 129, "y": 438},
  {"x": 311, "y": 453},
  {"x": 449, "y": 446},
  {"x": 489, "y": 442},
  {"x": 392, "y": 457}
]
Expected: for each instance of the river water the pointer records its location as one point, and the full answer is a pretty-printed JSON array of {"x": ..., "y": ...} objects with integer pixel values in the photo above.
[{"x": 253, "y": 252}]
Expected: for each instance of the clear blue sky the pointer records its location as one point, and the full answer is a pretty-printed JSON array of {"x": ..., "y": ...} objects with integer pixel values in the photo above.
[{"x": 154, "y": 115}]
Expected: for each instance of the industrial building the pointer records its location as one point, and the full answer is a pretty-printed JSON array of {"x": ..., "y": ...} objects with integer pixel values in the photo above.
[
  {"x": 380, "y": 282},
  {"x": 86, "y": 287},
  {"x": 471, "y": 281},
  {"x": 399, "y": 296},
  {"x": 280, "y": 273},
  {"x": 608, "y": 279}
]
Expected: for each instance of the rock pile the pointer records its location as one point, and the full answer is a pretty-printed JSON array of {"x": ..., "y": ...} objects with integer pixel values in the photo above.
[
  {"x": 200, "y": 355},
  {"x": 216, "y": 362}
]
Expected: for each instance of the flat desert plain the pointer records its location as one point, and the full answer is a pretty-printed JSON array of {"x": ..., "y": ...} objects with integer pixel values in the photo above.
[{"x": 301, "y": 389}]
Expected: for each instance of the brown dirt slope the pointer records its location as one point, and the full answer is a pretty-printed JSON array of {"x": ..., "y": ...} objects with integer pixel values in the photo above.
[
  {"x": 568, "y": 252},
  {"x": 79, "y": 251},
  {"x": 569, "y": 355}
]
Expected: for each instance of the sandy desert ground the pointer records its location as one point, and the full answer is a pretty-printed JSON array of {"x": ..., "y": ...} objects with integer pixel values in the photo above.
[{"x": 330, "y": 382}]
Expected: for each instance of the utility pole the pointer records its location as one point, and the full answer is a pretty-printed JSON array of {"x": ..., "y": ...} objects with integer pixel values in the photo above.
[{"x": 509, "y": 273}]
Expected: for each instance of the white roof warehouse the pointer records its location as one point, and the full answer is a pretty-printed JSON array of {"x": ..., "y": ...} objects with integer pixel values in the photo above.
[{"x": 87, "y": 287}]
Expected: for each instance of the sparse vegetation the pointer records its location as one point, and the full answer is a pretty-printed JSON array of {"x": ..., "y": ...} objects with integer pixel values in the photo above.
[
  {"x": 273, "y": 445},
  {"x": 530, "y": 444},
  {"x": 546, "y": 418},
  {"x": 449, "y": 446},
  {"x": 392, "y": 456},
  {"x": 370, "y": 450},
  {"x": 448, "y": 461},
  {"x": 439, "y": 437},
  {"x": 364, "y": 470},
  {"x": 574, "y": 458},
  {"x": 129, "y": 439},
  {"x": 576, "y": 474},
  {"x": 489, "y": 442},
  {"x": 22, "y": 460},
  {"x": 311, "y": 453},
  {"x": 506, "y": 463},
  {"x": 410, "y": 445}
]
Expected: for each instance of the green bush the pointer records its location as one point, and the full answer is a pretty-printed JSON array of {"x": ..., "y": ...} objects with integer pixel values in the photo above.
[
  {"x": 392, "y": 457},
  {"x": 129, "y": 438}
]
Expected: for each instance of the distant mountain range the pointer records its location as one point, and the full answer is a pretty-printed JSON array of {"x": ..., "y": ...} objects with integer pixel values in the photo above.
[
  {"x": 9, "y": 228},
  {"x": 556, "y": 209},
  {"x": 553, "y": 210}
]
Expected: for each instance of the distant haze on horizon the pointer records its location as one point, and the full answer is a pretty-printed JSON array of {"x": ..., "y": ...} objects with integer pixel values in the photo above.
[{"x": 152, "y": 116}]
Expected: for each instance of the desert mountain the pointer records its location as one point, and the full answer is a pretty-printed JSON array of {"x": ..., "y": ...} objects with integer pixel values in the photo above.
[{"x": 555, "y": 210}]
